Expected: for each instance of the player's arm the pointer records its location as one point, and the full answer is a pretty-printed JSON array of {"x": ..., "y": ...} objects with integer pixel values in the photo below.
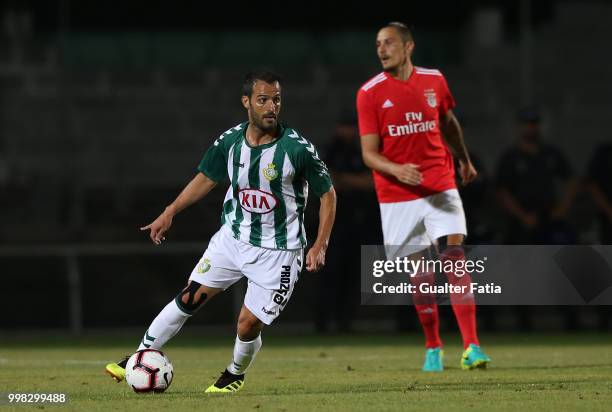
[
  {"x": 406, "y": 173},
  {"x": 195, "y": 190},
  {"x": 453, "y": 134},
  {"x": 315, "y": 259}
]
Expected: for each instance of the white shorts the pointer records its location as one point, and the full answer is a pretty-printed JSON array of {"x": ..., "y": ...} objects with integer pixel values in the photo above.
[
  {"x": 416, "y": 224},
  {"x": 271, "y": 273}
]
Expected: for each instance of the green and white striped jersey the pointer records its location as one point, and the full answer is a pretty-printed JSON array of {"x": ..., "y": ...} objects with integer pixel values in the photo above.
[{"x": 265, "y": 203}]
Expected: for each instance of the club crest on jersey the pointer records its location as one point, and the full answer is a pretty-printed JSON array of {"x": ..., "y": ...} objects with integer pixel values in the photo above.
[
  {"x": 270, "y": 172},
  {"x": 204, "y": 266},
  {"x": 257, "y": 201},
  {"x": 432, "y": 100}
]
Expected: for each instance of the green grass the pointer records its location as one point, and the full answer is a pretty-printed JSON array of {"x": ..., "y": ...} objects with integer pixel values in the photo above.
[{"x": 352, "y": 373}]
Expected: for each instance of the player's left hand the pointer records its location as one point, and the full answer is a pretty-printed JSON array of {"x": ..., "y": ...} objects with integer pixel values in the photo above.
[
  {"x": 315, "y": 259},
  {"x": 467, "y": 171}
]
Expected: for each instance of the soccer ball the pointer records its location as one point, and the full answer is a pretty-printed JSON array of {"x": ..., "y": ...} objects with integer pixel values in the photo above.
[{"x": 149, "y": 370}]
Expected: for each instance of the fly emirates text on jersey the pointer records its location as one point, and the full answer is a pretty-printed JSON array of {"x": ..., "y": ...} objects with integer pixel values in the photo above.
[{"x": 415, "y": 125}]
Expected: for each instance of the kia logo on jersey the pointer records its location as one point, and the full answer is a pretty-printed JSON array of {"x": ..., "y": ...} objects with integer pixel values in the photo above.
[{"x": 257, "y": 201}]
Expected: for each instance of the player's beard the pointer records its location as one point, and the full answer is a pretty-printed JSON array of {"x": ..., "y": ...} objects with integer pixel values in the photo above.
[{"x": 258, "y": 121}]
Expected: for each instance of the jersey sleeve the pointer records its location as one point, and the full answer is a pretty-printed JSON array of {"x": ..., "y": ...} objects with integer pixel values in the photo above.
[
  {"x": 366, "y": 113},
  {"x": 315, "y": 171},
  {"x": 447, "y": 101},
  {"x": 214, "y": 162}
]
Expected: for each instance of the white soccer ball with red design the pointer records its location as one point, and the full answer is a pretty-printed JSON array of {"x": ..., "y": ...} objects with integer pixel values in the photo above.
[{"x": 149, "y": 370}]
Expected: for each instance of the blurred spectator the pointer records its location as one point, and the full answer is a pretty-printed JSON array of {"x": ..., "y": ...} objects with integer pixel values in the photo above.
[
  {"x": 476, "y": 198},
  {"x": 599, "y": 186},
  {"x": 357, "y": 223},
  {"x": 535, "y": 187}
]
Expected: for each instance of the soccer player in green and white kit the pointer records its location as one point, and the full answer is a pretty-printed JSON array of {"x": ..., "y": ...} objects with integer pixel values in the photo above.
[{"x": 270, "y": 167}]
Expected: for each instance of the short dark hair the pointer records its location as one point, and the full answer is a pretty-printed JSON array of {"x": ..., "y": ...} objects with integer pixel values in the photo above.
[
  {"x": 263, "y": 75},
  {"x": 404, "y": 31}
]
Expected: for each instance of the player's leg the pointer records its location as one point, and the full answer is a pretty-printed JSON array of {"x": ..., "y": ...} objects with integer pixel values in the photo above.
[
  {"x": 272, "y": 276},
  {"x": 214, "y": 273},
  {"x": 463, "y": 302},
  {"x": 405, "y": 234},
  {"x": 427, "y": 311},
  {"x": 425, "y": 303},
  {"x": 446, "y": 219},
  {"x": 246, "y": 346},
  {"x": 464, "y": 307},
  {"x": 168, "y": 322},
  {"x": 248, "y": 341},
  {"x": 174, "y": 315}
]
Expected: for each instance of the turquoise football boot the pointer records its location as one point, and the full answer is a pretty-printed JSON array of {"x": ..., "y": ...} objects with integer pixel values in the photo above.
[
  {"x": 434, "y": 360},
  {"x": 474, "y": 358}
]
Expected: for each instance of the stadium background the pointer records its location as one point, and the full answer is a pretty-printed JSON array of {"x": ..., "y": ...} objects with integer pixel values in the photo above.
[{"x": 106, "y": 109}]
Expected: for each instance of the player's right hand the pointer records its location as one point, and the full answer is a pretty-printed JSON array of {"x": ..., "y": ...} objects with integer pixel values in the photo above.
[
  {"x": 409, "y": 173},
  {"x": 158, "y": 227}
]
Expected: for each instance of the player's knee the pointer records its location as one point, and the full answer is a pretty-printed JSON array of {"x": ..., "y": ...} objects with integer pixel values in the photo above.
[
  {"x": 249, "y": 327},
  {"x": 452, "y": 240},
  {"x": 191, "y": 298}
]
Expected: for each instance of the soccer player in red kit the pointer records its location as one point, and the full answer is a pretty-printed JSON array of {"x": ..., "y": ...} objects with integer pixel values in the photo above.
[{"x": 408, "y": 130}]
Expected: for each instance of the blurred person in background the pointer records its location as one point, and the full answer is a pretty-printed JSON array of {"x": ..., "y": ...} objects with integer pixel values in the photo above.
[
  {"x": 476, "y": 201},
  {"x": 599, "y": 185},
  {"x": 356, "y": 224},
  {"x": 535, "y": 187}
]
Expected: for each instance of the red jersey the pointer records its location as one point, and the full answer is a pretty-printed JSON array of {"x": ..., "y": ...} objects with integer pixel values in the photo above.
[{"x": 405, "y": 115}]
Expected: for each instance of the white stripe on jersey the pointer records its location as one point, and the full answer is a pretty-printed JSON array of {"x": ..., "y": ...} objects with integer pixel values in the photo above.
[
  {"x": 225, "y": 133},
  {"x": 375, "y": 80},
  {"x": 422, "y": 70},
  {"x": 229, "y": 195},
  {"x": 267, "y": 219},
  {"x": 243, "y": 181},
  {"x": 293, "y": 226}
]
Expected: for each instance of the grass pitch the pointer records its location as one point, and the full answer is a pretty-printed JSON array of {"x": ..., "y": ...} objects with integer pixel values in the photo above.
[{"x": 352, "y": 373}]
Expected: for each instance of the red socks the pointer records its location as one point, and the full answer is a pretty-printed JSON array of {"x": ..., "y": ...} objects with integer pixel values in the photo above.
[
  {"x": 428, "y": 316},
  {"x": 427, "y": 310},
  {"x": 463, "y": 303}
]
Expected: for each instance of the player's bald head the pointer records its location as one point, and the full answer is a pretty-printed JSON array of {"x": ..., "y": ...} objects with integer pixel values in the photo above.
[{"x": 402, "y": 29}]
